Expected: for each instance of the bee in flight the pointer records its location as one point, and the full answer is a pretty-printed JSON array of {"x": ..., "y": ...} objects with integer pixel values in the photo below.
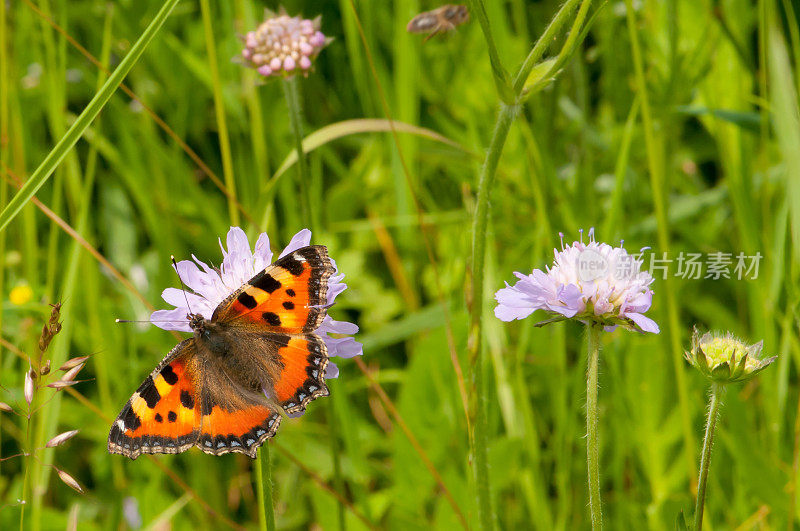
[{"x": 441, "y": 19}]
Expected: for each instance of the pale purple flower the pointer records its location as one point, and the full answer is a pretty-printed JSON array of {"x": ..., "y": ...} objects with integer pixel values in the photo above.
[
  {"x": 239, "y": 264},
  {"x": 282, "y": 43},
  {"x": 593, "y": 283}
]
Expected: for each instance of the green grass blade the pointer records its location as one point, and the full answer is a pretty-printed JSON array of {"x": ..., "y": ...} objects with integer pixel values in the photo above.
[{"x": 57, "y": 154}]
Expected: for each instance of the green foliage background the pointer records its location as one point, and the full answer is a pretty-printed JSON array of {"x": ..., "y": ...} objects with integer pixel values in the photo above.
[{"x": 717, "y": 149}]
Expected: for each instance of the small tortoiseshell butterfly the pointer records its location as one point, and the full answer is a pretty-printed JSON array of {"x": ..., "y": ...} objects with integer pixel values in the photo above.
[{"x": 223, "y": 389}]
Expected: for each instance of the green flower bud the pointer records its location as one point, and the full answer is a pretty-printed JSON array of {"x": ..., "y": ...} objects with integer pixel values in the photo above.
[{"x": 724, "y": 359}]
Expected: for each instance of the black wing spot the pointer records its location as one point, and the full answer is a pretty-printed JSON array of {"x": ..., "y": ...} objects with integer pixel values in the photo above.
[
  {"x": 159, "y": 418},
  {"x": 172, "y": 416},
  {"x": 149, "y": 392},
  {"x": 248, "y": 301},
  {"x": 289, "y": 305},
  {"x": 169, "y": 375},
  {"x": 266, "y": 282},
  {"x": 186, "y": 400},
  {"x": 292, "y": 265},
  {"x": 271, "y": 318},
  {"x": 290, "y": 292},
  {"x": 131, "y": 420}
]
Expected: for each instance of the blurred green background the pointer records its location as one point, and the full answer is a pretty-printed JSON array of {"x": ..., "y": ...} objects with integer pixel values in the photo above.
[{"x": 699, "y": 153}]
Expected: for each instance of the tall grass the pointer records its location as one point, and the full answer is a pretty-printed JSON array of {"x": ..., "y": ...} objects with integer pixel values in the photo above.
[{"x": 668, "y": 124}]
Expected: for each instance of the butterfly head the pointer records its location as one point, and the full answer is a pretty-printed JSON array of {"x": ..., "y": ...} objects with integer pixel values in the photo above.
[{"x": 197, "y": 322}]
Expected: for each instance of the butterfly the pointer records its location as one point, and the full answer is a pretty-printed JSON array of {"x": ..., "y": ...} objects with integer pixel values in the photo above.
[{"x": 224, "y": 389}]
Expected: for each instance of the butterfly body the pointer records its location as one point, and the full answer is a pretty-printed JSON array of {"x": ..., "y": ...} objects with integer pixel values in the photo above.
[{"x": 224, "y": 389}]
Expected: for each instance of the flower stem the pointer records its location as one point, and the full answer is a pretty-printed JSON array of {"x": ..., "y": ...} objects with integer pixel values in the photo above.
[
  {"x": 266, "y": 513},
  {"x": 592, "y": 446},
  {"x": 509, "y": 108},
  {"x": 479, "y": 439},
  {"x": 291, "y": 92},
  {"x": 717, "y": 391}
]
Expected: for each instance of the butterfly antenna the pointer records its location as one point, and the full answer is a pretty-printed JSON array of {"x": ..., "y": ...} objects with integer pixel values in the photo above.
[
  {"x": 183, "y": 286},
  {"x": 149, "y": 322}
]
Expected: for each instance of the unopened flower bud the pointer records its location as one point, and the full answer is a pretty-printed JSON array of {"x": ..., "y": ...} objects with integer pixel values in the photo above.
[{"x": 724, "y": 359}]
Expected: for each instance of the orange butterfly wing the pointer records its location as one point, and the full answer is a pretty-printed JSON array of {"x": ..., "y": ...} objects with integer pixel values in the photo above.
[
  {"x": 163, "y": 414},
  {"x": 287, "y": 301},
  {"x": 289, "y": 296}
]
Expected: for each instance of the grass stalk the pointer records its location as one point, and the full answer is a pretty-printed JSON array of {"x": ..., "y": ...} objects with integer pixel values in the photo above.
[
  {"x": 219, "y": 108},
  {"x": 26, "y": 497},
  {"x": 714, "y": 403},
  {"x": 84, "y": 120},
  {"x": 656, "y": 168},
  {"x": 592, "y": 445},
  {"x": 266, "y": 511}
]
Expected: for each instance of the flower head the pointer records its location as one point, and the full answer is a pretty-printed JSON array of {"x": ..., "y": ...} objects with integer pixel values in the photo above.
[
  {"x": 240, "y": 264},
  {"x": 593, "y": 283},
  {"x": 20, "y": 294},
  {"x": 724, "y": 359},
  {"x": 283, "y": 45}
]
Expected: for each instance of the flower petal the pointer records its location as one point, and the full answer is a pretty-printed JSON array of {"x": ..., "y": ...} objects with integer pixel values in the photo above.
[
  {"x": 331, "y": 371},
  {"x": 299, "y": 240},
  {"x": 509, "y": 313},
  {"x": 343, "y": 347},
  {"x": 237, "y": 242},
  {"x": 174, "y": 319},
  {"x": 191, "y": 276},
  {"x": 330, "y": 325},
  {"x": 262, "y": 254},
  {"x": 335, "y": 287},
  {"x": 178, "y": 297},
  {"x": 645, "y": 323}
]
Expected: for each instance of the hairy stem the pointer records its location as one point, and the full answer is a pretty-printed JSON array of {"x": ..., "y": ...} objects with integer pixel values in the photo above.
[
  {"x": 705, "y": 459},
  {"x": 508, "y": 111},
  {"x": 592, "y": 446},
  {"x": 479, "y": 437}
]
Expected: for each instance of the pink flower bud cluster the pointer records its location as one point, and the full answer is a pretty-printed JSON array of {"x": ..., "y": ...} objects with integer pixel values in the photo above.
[{"x": 282, "y": 45}]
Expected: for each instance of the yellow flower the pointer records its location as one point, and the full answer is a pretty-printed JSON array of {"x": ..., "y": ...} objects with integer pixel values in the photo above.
[{"x": 20, "y": 295}]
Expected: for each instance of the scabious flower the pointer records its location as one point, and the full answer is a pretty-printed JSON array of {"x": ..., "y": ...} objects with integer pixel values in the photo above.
[
  {"x": 593, "y": 283},
  {"x": 724, "y": 359},
  {"x": 239, "y": 265},
  {"x": 283, "y": 45}
]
